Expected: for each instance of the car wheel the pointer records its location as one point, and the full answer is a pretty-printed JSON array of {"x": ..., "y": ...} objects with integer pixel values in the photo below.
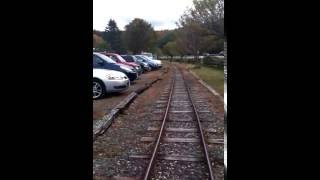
[{"x": 98, "y": 89}]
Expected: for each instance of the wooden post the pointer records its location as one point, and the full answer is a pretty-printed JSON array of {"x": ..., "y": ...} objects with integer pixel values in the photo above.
[{"x": 225, "y": 51}]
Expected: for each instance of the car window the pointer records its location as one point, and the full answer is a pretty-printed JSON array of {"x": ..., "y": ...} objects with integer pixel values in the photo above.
[
  {"x": 134, "y": 58},
  {"x": 140, "y": 58},
  {"x": 146, "y": 57},
  {"x": 124, "y": 57},
  {"x": 130, "y": 59},
  {"x": 96, "y": 61},
  {"x": 120, "y": 58},
  {"x": 105, "y": 58},
  {"x": 113, "y": 58}
]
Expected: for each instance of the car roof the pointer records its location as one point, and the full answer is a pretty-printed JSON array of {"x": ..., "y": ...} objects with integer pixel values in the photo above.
[{"x": 112, "y": 53}]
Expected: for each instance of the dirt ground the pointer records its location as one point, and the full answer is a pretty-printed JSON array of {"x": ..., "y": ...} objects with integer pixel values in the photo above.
[
  {"x": 111, "y": 150},
  {"x": 104, "y": 105}
]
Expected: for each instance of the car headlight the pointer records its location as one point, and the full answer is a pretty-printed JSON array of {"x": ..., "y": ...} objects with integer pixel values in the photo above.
[
  {"x": 111, "y": 77},
  {"x": 126, "y": 69}
]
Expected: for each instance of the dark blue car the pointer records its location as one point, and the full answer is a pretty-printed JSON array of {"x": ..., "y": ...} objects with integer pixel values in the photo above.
[{"x": 101, "y": 61}]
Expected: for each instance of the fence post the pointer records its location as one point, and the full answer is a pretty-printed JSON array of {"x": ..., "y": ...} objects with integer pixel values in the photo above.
[{"x": 225, "y": 51}]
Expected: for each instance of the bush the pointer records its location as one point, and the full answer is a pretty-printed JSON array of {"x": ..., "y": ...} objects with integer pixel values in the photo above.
[{"x": 214, "y": 62}]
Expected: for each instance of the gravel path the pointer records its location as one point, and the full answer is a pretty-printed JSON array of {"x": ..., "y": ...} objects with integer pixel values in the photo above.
[{"x": 112, "y": 151}]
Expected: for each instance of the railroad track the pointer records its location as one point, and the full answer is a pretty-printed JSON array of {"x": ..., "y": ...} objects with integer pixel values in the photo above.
[{"x": 181, "y": 148}]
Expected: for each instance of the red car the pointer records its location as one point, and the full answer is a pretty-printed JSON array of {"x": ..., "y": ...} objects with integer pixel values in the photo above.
[{"x": 117, "y": 58}]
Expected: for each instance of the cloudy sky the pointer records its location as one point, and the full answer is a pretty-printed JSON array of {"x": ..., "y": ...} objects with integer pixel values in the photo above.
[{"x": 162, "y": 14}]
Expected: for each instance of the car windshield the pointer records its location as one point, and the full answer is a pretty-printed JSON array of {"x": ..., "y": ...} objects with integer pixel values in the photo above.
[
  {"x": 146, "y": 57},
  {"x": 149, "y": 55},
  {"x": 120, "y": 58},
  {"x": 106, "y": 58},
  {"x": 140, "y": 58},
  {"x": 129, "y": 58},
  {"x": 137, "y": 59},
  {"x": 134, "y": 58}
]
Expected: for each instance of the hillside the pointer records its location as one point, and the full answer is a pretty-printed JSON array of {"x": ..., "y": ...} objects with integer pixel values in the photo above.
[{"x": 97, "y": 40}]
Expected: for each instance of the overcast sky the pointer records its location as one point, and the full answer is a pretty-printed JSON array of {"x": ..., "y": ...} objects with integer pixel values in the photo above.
[{"x": 162, "y": 14}]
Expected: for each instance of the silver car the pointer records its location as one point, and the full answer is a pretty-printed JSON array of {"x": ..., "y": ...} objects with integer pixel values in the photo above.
[
  {"x": 158, "y": 62},
  {"x": 105, "y": 81}
]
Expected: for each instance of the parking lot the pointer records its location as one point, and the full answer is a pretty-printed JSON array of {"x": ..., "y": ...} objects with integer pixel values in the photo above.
[{"x": 104, "y": 105}]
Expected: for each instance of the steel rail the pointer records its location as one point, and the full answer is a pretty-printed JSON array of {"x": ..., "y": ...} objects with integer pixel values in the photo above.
[
  {"x": 201, "y": 131},
  {"x": 151, "y": 162}
]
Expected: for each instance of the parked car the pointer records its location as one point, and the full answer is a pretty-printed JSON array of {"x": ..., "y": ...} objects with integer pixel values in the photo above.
[
  {"x": 221, "y": 53},
  {"x": 132, "y": 58},
  {"x": 105, "y": 81},
  {"x": 103, "y": 62},
  {"x": 156, "y": 61},
  {"x": 148, "y": 55},
  {"x": 151, "y": 63},
  {"x": 117, "y": 58}
]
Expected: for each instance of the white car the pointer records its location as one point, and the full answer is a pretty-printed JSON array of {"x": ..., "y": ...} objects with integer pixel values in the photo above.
[{"x": 105, "y": 81}]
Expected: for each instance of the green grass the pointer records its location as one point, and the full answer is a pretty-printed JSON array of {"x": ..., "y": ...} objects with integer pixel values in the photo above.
[{"x": 212, "y": 76}]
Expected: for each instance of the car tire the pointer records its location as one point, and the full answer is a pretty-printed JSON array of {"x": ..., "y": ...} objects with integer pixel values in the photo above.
[{"x": 99, "y": 89}]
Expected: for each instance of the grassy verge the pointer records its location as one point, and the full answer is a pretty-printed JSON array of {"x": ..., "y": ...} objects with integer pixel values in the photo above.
[{"x": 212, "y": 76}]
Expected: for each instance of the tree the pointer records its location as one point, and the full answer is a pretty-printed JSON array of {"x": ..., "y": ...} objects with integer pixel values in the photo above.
[
  {"x": 99, "y": 43},
  {"x": 112, "y": 35},
  {"x": 190, "y": 38},
  {"x": 159, "y": 52},
  {"x": 139, "y": 36},
  {"x": 201, "y": 28},
  {"x": 104, "y": 46},
  {"x": 167, "y": 37},
  {"x": 97, "y": 40},
  {"x": 99, "y": 33},
  {"x": 210, "y": 14},
  {"x": 170, "y": 49}
]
